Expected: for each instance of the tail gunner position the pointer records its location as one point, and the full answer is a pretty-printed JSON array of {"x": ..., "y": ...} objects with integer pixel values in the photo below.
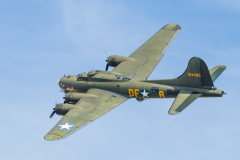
[{"x": 91, "y": 95}]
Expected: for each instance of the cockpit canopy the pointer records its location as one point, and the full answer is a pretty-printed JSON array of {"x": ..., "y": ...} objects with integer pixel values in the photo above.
[
  {"x": 97, "y": 74},
  {"x": 82, "y": 77},
  {"x": 92, "y": 73}
]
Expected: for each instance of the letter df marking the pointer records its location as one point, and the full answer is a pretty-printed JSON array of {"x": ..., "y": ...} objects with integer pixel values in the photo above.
[{"x": 131, "y": 93}]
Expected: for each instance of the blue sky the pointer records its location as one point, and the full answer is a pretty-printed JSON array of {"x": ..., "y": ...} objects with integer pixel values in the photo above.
[{"x": 42, "y": 40}]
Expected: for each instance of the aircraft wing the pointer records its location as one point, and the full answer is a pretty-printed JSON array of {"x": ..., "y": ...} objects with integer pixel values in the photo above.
[
  {"x": 90, "y": 108},
  {"x": 149, "y": 54},
  {"x": 184, "y": 98}
]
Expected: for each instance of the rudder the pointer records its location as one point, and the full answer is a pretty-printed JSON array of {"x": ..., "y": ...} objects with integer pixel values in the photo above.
[{"x": 196, "y": 74}]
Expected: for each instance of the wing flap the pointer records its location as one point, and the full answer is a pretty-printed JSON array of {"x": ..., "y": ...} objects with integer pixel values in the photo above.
[{"x": 183, "y": 99}]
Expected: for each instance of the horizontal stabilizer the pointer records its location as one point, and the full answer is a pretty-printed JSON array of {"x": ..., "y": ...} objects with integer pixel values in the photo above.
[
  {"x": 216, "y": 72},
  {"x": 183, "y": 99}
]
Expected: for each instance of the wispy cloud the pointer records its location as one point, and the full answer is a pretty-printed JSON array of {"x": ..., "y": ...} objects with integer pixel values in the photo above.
[
  {"x": 103, "y": 23},
  {"x": 230, "y": 4},
  {"x": 85, "y": 19},
  {"x": 94, "y": 26}
]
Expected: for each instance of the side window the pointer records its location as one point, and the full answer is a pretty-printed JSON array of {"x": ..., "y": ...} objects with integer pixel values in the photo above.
[
  {"x": 79, "y": 76},
  {"x": 82, "y": 79},
  {"x": 126, "y": 79},
  {"x": 155, "y": 90}
]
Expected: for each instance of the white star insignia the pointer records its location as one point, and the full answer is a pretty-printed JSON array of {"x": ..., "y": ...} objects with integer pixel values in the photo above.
[
  {"x": 67, "y": 126},
  {"x": 144, "y": 93}
]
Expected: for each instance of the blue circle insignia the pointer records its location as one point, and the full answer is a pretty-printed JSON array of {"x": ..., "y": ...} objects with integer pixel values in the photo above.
[
  {"x": 144, "y": 93},
  {"x": 65, "y": 126}
]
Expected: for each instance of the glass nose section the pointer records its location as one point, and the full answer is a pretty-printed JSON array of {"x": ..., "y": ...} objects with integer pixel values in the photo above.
[{"x": 58, "y": 81}]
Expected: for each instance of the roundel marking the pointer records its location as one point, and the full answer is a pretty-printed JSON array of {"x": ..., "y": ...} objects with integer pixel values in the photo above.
[
  {"x": 144, "y": 92},
  {"x": 65, "y": 126}
]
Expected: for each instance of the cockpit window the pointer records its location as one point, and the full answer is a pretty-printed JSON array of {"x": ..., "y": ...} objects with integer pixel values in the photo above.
[{"x": 81, "y": 77}]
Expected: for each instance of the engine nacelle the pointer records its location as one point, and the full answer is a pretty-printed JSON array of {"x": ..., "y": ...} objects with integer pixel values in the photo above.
[
  {"x": 62, "y": 109},
  {"x": 75, "y": 97},
  {"x": 114, "y": 60}
]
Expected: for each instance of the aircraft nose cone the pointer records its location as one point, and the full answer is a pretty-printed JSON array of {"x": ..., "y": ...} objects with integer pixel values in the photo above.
[{"x": 58, "y": 81}]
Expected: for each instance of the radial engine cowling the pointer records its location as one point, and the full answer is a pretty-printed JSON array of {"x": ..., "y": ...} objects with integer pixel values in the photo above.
[
  {"x": 114, "y": 60},
  {"x": 62, "y": 109},
  {"x": 75, "y": 97}
]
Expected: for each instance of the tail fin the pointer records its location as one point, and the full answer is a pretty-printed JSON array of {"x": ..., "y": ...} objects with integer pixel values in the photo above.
[{"x": 196, "y": 75}]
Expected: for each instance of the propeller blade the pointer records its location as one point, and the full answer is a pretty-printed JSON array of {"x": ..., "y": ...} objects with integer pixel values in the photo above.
[
  {"x": 106, "y": 53},
  {"x": 55, "y": 100},
  {"x": 107, "y": 67},
  {"x": 52, "y": 114}
]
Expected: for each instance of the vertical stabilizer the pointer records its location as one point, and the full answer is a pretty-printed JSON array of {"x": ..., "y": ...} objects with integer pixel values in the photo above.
[{"x": 196, "y": 75}]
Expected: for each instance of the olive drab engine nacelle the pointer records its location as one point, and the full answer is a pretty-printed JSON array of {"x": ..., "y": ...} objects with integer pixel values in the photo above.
[
  {"x": 62, "y": 109},
  {"x": 114, "y": 60},
  {"x": 70, "y": 98}
]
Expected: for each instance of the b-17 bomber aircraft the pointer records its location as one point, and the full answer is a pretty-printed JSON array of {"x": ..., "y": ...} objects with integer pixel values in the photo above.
[{"x": 91, "y": 95}]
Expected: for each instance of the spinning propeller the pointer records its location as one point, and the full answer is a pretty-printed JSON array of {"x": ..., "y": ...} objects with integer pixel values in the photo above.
[
  {"x": 106, "y": 61},
  {"x": 51, "y": 115},
  {"x": 107, "y": 67}
]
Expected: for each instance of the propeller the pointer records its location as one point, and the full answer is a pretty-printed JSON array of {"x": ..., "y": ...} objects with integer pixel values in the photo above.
[
  {"x": 106, "y": 61},
  {"x": 107, "y": 67},
  {"x": 51, "y": 115}
]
